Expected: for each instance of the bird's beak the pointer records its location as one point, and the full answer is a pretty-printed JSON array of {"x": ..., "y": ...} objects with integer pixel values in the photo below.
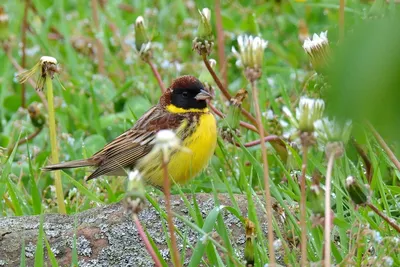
[{"x": 203, "y": 95}]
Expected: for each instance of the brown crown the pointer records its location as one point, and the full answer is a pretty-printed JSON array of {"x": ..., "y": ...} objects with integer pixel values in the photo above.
[{"x": 186, "y": 81}]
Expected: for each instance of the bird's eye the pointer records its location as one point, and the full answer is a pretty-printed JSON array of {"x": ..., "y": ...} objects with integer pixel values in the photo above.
[{"x": 185, "y": 94}]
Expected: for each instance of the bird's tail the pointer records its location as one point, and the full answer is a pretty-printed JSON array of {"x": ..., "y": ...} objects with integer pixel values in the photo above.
[{"x": 69, "y": 165}]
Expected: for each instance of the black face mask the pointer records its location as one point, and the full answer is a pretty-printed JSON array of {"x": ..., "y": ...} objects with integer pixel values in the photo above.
[{"x": 185, "y": 98}]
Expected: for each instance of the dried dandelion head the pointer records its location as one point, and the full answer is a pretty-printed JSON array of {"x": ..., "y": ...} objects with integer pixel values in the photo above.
[{"x": 47, "y": 67}]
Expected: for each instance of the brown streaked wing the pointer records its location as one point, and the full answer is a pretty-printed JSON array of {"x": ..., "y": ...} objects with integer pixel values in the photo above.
[{"x": 126, "y": 149}]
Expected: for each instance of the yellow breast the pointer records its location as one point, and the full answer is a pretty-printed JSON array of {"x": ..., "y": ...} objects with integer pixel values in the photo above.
[
  {"x": 201, "y": 143},
  {"x": 184, "y": 164}
]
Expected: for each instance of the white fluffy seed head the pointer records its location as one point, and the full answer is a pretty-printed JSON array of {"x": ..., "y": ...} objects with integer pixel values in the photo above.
[{"x": 47, "y": 59}]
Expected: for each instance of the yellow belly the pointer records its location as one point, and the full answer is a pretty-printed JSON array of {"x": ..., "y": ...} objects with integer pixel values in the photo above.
[{"x": 184, "y": 165}]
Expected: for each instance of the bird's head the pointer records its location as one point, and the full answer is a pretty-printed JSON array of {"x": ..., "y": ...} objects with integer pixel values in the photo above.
[{"x": 186, "y": 94}]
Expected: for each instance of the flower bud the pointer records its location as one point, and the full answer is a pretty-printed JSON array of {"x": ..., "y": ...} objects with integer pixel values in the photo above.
[
  {"x": 140, "y": 33},
  {"x": 309, "y": 111},
  {"x": 135, "y": 192},
  {"x": 316, "y": 198},
  {"x": 249, "y": 246},
  {"x": 142, "y": 41},
  {"x": 37, "y": 118},
  {"x": 318, "y": 50},
  {"x": 358, "y": 192},
  {"x": 203, "y": 42},
  {"x": 232, "y": 120},
  {"x": 205, "y": 30}
]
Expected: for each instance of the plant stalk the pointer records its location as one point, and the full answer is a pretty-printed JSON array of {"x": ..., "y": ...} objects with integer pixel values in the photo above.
[
  {"x": 390, "y": 221},
  {"x": 327, "y": 222},
  {"x": 54, "y": 148},
  {"x": 385, "y": 147},
  {"x": 171, "y": 227},
  {"x": 272, "y": 261},
  {"x": 303, "y": 208},
  {"x": 157, "y": 75},
  {"x": 146, "y": 240}
]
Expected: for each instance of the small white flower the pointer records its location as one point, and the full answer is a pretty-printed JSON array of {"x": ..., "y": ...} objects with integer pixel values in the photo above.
[
  {"x": 251, "y": 51},
  {"x": 206, "y": 13},
  {"x": 318, "y": 50},
  {"x": 349, "y": 180},
  {"x": 316, "y": 42},
  {"x": 134, "y": 176},
  {"x": 212, "y": 62},
  {"x": 376, "y": 236},
  {"x": 387, "y": 261},
  {"x": 309, "y": 111},
  {"x": 165, "y": 142},
  {"x": 277, "y": 244}
]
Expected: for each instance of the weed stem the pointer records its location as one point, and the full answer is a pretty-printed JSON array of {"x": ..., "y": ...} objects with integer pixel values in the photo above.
[
  {"x": 146, "y": 240},
  {"x": 266, "y": 176},
  {"x": 303, "y": 210},
  {"x": 327, "y": 222},
  {"x": 54, "y": 148},
  {"x": 167, "y": 193}
]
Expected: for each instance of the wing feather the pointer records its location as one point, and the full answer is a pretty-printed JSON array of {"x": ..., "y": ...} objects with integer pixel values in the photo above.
[{"x": 124, "y": 151}]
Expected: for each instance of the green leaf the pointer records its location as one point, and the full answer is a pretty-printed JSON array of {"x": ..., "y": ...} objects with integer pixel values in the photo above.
[{"x": 39, "y": 255}]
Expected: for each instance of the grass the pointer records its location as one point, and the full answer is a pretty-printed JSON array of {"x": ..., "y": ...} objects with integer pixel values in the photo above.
[{"x": 93, "y": 109}]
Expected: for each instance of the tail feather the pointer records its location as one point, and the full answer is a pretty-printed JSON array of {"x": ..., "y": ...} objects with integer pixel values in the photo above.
[{"x": 69, "y": 165}]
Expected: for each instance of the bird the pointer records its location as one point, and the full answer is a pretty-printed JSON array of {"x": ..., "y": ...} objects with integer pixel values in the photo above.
[{"x": 183, "y": 109}]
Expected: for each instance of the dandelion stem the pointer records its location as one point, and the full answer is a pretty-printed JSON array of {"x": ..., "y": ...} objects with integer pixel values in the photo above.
[
  {"x": 327, "y": 223},
  {"x": 146, "y": 240},
  {"x": 368, "y": 165},
  {"x": 303, "y": 210},
  {"x": 385, "y": 147},
  {"x": 167, "y": 193},
  {"x": 272, "y": 261},
  {"x": 390, "y": 221},
  {"x": 54, "y": 148},
  {"x": 23, "y": 41},
  {"x": 157, "y": 75},
  {"x": 220, "y": 41}
]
